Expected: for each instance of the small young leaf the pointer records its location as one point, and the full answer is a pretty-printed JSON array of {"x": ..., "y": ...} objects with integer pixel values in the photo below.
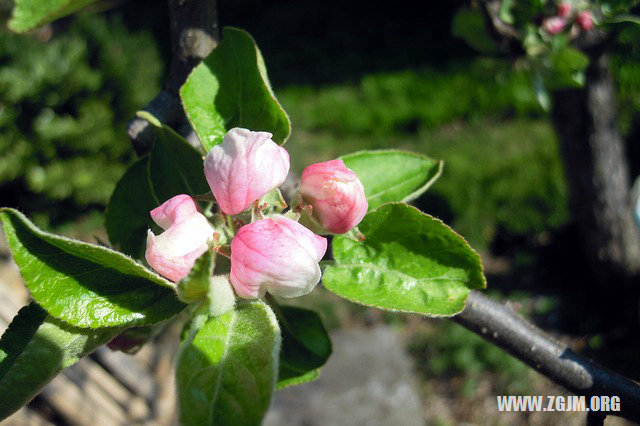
[
  {"x": 469, "y": 25},
  {"x": 230, "y": 88},
  {"x": 29, "y": 14},
  {"x": 392, "y": 175},
  {"x": 35, "y": 348},
  {"x": 226, "y": 370},
  {"x": 84, "y": 284},
  {"x": 127, "y": 217},
  {"x": 306, "y": 345},
  {"x": 195, "y": 285},
  {"x": 175, "y": 167},
  {"x": 297, "y": 379},
  {"x": 409, "y": 262}
]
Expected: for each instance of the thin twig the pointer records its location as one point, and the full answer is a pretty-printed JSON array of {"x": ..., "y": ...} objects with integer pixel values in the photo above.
[{"x": 501, "y": 326}]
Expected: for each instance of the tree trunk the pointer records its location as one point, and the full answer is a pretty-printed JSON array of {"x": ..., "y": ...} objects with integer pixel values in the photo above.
[{"x": 598, "y": 176}]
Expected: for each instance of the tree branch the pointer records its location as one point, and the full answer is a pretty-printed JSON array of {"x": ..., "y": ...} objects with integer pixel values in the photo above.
[
  {"x": 491, "y": 11},
  {"x": 501, "y": 326},
  {"x": 194, "y": 34}
]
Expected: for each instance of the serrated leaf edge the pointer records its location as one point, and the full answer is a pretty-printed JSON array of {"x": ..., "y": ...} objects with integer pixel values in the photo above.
[
  {"x": 415, "y": 194},
  {"x": 263, "y": 75},
  {"x": 475, "y": 254},
  {"x": 145, "y": 273}
]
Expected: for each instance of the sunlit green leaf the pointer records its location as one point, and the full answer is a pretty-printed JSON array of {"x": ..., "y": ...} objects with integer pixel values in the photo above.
[
  {"x": 409, "y": 262},
  {"x": 29, "y": 14},
  {"x": 392, "y": 175},
  {"x": 35, "y": 348},
  {"x": 230, "y": 88},
  {"x": 84, "y": 284},
  {"x": 226, "y": 370}
]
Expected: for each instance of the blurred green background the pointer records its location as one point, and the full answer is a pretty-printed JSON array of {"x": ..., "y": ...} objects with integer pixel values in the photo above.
[{"x": 351, "y": 78}]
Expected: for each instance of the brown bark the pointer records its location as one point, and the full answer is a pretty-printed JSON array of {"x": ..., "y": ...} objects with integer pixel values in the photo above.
[
  {"x": 598, "y": 175},
  {"x": 194, "y": 34}
]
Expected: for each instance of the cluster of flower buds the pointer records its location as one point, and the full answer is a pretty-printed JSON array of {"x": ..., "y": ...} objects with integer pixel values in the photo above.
[
  {"x": 563, "y": 17},
  {"x": 274, "y": 254}
]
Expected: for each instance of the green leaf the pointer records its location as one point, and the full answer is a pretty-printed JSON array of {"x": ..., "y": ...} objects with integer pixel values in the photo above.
[
  {"x": 392, "y": 175},
  {"x": 569, "y": 59},
  {"x": 35, "y": 348},
  {"x": 195, "y": 285},
  {"x": 175, "y": 167},
  {"x": 565, "y": 68},
  {"x": 230, "y": 88},
  {"x": 615, "y": 7},
  {"x": 84, "y": 284},
  {"x": 127, "y": 216},
  {"x": 297, "y": 379},
  {"x": 506, "y": 12},
  {"x": 469, "y": 25},
  {"x": 306, "y": 345},
  {"x": 29, "y": 14},
  {"x": 624, "y": 18},
  {"x": 226, "y": 371},
  {"x": 409, "y": 262}
]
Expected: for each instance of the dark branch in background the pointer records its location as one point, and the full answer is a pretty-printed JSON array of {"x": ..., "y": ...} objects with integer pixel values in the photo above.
[
  {"x": 194, "y": 34},
  {"x": 501, "y": 326}
]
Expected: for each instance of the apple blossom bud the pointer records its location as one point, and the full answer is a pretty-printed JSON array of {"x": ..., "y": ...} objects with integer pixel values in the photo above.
[
  {"x": 244, "y": 167},
  {"x": 585, "y": 20},
  {"x": 186, "y": 236},
  {"x": 336, "y": 195},
  {"x": 554, "y": 25},
  {"x": 277, "y": 255},
  {"x": 174, "y": 210},
  {"x": 563, "y": 10}
]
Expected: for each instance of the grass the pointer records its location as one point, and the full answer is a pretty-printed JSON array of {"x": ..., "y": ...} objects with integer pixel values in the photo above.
[
  {"x": 502, "y": 167},
  {"x": 499, "y": 175}
]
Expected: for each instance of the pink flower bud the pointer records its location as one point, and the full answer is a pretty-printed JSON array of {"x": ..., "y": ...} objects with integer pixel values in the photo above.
[
  {"x": 584, "y": 20},
  {"x": 563, "y": 10},
  {"x": 174, "y": 210},
  {"x": 336, "y": 195},
  {"x": 277, "y": 255},
  {"x": 554, "y": 25},
  {"x": 244, "y": 167},
  {"x": 186, "y": 236}
]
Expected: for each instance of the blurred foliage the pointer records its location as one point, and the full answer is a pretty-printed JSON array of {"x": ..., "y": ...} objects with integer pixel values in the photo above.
[
  {"x": 625, "y": 61},
  {"x": 412, "y": 100},
  {"x": 446, "y": 349},
  {"x": 63, "y": 106},
  {"x": 500, "y": 173}
]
